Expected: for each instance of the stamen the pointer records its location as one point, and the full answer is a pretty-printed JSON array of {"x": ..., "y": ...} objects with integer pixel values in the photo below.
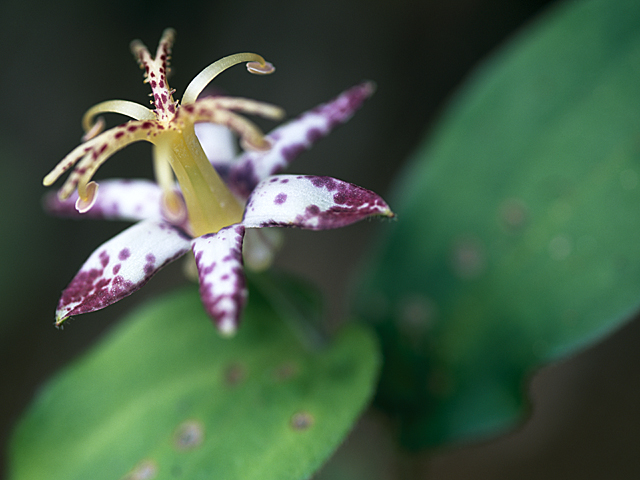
[
  {"x": 124, "y": 107},
  {"x": 205, "y": 201},
  {"x": 244, "y": 105},
  {"x": 258, "y": 65},
  {"x": 249, "y": 133},
  {"x": 95, "y": 130},
  {"x": 163, "y": 172},
  {"x": 69, "y": 161},
  {"x": 173, "y": 208},
  {"x": 87, "y": 198},
  {"x": 260, "y": 69},
  {"x": 90, "y": 155}
]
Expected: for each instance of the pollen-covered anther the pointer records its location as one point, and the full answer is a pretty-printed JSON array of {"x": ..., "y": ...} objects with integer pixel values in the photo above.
[
  {"x": 258, "y": 68},
  {"x": 173, "y": 208},
  {"x": 86, "y": 201},
  {"x": 255, "y": 64}
]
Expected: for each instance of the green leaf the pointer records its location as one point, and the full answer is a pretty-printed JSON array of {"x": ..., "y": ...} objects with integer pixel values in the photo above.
[
  {"x": 164, "y": 396},
  {"x": 518, "y": 225}
]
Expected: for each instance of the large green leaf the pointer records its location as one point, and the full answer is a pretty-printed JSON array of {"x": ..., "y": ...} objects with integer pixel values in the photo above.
[
  {"x": 517, "y": 240},
  {"x": 165, "y": 397}
]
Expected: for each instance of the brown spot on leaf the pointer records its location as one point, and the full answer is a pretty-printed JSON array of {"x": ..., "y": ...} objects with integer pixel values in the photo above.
[
  {"x": 301, "y": 421},
  {"x": 468, "y": 258},
  {"x": 286, "y": 371},
  {"x": 188, "y": 435},
  {"x": 145, "y": 470},
  {"x": 234, "y": 374},
  {"x": 513, "y": 215}
]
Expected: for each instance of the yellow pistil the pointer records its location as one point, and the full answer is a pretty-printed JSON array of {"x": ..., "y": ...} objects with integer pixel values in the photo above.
[
  {"x": 170, "y": 128},
  {"x": 210, "y": 204}
]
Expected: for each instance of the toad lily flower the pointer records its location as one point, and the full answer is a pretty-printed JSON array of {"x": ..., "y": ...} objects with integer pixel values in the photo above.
[{"x": 217, "y": 197}]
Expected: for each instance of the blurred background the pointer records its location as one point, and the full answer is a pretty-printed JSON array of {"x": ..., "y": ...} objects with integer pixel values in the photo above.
[{"x": 58, "y": 59}]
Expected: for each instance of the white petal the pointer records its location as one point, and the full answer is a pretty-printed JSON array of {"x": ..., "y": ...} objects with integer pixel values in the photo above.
[
  {"x": 310, "y": 202},
  {"x": 222, "y": 284},
  {"x": 121, "y": 266},
  {"x": 217, "y": 142},
  {"x": 292, "y": 138}
]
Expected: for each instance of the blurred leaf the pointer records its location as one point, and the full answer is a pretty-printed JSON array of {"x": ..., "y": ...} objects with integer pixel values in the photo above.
[
  {"x": 518, "y": 225},
  {"x": 165, "y": 397},
  {"x": 295, "y": 300}
]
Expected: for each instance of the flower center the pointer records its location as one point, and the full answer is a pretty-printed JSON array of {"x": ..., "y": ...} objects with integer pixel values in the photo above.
[
  {"x": 210, "y": 204},
  {"x": 178, "y": 155}
]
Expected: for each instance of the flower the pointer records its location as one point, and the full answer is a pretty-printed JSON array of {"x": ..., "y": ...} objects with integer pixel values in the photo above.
[{"x": 217, "y": 197}]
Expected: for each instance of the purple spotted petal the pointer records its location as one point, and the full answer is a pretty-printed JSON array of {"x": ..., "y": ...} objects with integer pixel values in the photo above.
[
  {"x": 222, "y": 284},
  {"x": 292, "y": 138},
  {"x": 121, "y": 266},
  {"x": 315, "y": 203},
  {"x": 116, "y": 200}
]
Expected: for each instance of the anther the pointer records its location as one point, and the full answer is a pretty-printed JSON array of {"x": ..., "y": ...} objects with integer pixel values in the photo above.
[
  {"x": 258, "y": 68},
  {"x": 173, "y": 208},
  {"x": 84, "y": 203}
]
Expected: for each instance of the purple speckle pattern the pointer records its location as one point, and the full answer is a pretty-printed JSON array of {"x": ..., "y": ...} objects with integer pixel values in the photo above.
[
  {"x": 104, "y": 258},
  {"x": 312, "y": 202},
  {"x": 223, "y": 287},
  {"x": 126, "y": 262},
  {"x": 291, "y": 139},
  {"x": 141, "y": 251}
]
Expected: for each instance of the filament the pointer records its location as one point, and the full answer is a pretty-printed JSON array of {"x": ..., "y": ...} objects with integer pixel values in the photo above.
[
  {"x": 124, "y": 107},
  {"x": 256, "y": 64}
]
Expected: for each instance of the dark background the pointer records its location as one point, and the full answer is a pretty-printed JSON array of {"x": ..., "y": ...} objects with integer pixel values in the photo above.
[{"x": 59, "y": 59}]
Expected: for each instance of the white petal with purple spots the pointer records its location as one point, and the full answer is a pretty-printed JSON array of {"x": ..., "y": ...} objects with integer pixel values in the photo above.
[
  {"x": 292, "y": 138},
  {"x": 222, "y": 284},
  {"x": 121, "y": 266},
  {"x": 310, "y": 202},
  {"x": 116, "y": 200}
]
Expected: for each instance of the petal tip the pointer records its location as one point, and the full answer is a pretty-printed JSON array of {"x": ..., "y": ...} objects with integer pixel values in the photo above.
[
  {"x": 227, "y": 328},
  {"x": 60, "y": 319},
  {"x": 369, "y": 87},
  {"x": 389, "y": 213}
]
